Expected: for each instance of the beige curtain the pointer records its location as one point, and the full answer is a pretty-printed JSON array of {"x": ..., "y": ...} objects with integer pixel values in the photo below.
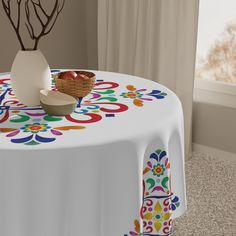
[{"x": 155, "y": 39}]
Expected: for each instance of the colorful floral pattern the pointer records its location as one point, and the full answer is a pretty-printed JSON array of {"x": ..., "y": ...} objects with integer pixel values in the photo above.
[
  {"x": 158, "y": 170},
  {"x": 33, "y": 137},
  {"x": 35, "y": 128},
  {"x": 32, "y": 126},
  {"x": 138, "y": 96},
  {"x": 158, "y": 200},
  {"x": 131, "y": 95}
]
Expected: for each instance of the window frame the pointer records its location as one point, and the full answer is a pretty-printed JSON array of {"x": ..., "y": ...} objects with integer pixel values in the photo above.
[{"x": 215, "y": 92}]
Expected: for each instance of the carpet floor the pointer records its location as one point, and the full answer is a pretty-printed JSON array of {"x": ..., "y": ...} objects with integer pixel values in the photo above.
[{"x": 211, "y": 196}]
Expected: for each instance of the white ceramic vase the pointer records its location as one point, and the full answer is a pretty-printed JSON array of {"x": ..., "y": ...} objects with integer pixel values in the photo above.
[{"x": 30, "y": 73}]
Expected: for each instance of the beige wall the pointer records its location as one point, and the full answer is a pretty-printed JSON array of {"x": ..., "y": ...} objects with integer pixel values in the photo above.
[
  {"x": 71, "y": 44},
  {"x": 214, "y": 126}
]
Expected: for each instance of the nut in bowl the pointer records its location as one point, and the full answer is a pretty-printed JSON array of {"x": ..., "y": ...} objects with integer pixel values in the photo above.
[{"x": 75, "y": 83}]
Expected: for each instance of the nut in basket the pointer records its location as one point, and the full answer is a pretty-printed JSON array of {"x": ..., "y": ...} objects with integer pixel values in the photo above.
[{"x": 75, "y": 83}]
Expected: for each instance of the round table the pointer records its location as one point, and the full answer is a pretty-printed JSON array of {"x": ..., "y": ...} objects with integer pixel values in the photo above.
[{"x": 114, "y": 167}]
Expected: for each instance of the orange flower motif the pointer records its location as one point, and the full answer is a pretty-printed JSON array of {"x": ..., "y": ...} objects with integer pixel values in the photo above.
[
  {"x": 131, "y": 95},
  {"x": 134, "y": 94},
  {"x": 158, "y": 170},
  {"x": 35, "y": 128}
]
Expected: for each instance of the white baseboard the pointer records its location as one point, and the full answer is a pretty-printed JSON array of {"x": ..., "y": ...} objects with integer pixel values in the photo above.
[{"x": 214, "y": 152}]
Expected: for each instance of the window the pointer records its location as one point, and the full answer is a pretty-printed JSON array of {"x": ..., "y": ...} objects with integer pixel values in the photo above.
[{"x": 216, "y": 52}]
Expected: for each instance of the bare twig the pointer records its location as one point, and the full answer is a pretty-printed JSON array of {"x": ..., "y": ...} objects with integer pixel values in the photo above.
[
  {"x": 50, "y": 19},
  {"x": 47, "y": 22},
  {"x": 7, "y": 8},
  {"x": 29, "y": 26},
  {"x": 18, "y": 20},
  {"x": 39, "y": 4},
  {"x": 59, "y": 9}
]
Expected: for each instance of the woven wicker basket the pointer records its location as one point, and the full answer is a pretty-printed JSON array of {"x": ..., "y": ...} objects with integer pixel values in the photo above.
[{"x": 76, "y": 88}]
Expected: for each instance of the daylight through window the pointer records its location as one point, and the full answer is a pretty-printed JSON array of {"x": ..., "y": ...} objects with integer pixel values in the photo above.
[{"x": 216, "y": 49}]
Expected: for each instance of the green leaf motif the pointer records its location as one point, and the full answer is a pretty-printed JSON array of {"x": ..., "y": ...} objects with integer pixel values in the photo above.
[
  {"x": 52, "y": 118},
  {"x": 151, "y": 182},
  {"x": 158, "y": 151},
  {"x": 32, "y": 143},
  {"x": 163, "y": 94},
  {"x": 164, "y": 182},
  {"x": 106, "y": 92},
  {"x": 22, "y": 118},
  {"x": 108, "y": 98}
]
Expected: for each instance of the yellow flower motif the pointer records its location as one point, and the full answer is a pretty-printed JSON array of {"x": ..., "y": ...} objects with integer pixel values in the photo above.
[
  {"x": 131, "y": 95},
  {"x": 157, "y": 216},
  {"x": 158, "y": 170},
  {"x": 35, "y": 128}
]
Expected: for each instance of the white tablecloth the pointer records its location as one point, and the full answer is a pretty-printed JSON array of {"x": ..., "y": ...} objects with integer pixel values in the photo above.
[{"x": 115, "y": 167}]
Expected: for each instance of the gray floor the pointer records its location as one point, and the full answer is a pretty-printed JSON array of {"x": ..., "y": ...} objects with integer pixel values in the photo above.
[{"x": 211, "y": 194}]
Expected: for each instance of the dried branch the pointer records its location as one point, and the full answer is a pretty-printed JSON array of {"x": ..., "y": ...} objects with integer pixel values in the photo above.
[
  {"x": 29, "y": 26},
  {"x": 50, "y": 19},
  {"x": 39, "y": 4},
  {"x": 18, "y": 20},
  {"x": 7, "y": 8},
  {"x": 37, "y": 14},
  {"x": 47, "y": 23},
  {"x": 59, "y": 9}
]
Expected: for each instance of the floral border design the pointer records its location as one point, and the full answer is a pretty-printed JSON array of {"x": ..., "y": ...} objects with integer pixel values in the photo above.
[
  {"x": 138, "y": 96},
  {"x": 158, "y": 200},
  {"x": 103, "y": 102}
]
